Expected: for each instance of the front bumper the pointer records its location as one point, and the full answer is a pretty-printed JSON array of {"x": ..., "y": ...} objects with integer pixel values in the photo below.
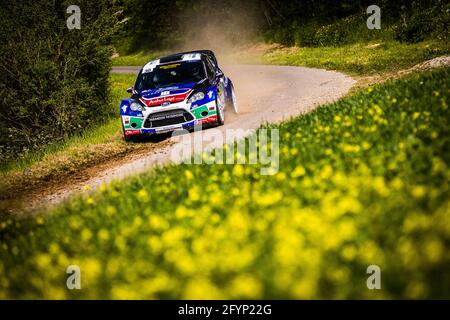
[{"x": 170, "y": 118}]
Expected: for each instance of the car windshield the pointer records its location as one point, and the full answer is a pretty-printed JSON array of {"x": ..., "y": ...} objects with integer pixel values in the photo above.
[{"x": 171, "y": 74}]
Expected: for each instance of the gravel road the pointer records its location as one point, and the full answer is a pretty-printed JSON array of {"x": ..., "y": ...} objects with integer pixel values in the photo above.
[{"x": 264, "y": 93}]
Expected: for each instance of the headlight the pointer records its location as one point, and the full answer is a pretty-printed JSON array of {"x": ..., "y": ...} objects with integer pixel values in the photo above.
[
  {"x": 136, "y": 106},
  {"x": 196, "y": 97}
]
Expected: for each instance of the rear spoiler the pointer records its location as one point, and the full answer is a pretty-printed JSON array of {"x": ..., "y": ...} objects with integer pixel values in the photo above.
[{"x": 209, "y": 53}]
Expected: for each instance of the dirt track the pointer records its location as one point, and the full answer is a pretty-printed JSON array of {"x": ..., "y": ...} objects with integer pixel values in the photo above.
[{"x": 265, "y": 94}]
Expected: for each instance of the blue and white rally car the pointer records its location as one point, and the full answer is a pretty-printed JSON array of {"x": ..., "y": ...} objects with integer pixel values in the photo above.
[{"x": 177, "y": 91}]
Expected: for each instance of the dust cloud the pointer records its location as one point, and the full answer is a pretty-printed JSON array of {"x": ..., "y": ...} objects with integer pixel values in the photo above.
[{"x": 221, "y": 26}]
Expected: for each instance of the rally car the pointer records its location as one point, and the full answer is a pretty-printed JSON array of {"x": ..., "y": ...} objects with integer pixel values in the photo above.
[{"x": 177, "y": 91}]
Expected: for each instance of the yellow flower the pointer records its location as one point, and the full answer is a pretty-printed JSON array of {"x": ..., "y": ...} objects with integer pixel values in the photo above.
[
  {"x": 349, "y": 253},
  {"x": 238, "y": 170},
  {"x": 299, "y": 171},
  {"x": 418, "y": 191},
  {"x": 194, "y": 193},
  {"x": 110, "y": 211},
  {"x": 43, "y": 261},
  {"x": 397, "y": 183},
  {"x": 154, "y": 244},
  {"x": 189, "y": 175},
  {"x": 269, "y": 198},
  {"x": 380, "y": 186},
  {"x": 40, "y": 220},
  {"x": 305, "y": 288},
  {"x": 281, "y": 176},
  {"x": 157, "y": 222},
  {"x": 245, "y": 287},
  {"x": 365, "y": 145},
  {"x": 201, "y": 288},
  {"x": 142, "y": 195},
  {"x": 86, "y": 234},
  {"x": 122, "y": 292},
  {"x": 90, "y": 271},
  {"x": 103, "y": 234},
  {"x": 434, "y": 250},
  {"x": 348, "y": 148}
]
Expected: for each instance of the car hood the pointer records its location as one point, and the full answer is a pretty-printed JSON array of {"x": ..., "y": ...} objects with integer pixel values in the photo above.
[{"x": 169, "y": 95}]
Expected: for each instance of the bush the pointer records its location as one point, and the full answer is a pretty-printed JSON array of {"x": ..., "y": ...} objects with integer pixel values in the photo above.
[
  {"x": 348, "y": 30},
  {"x": 433, "y": 22},
  {"x": 53, "y": 81}
]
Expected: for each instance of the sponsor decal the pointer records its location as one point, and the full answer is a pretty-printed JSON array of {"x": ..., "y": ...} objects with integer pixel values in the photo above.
[
  {"x": 160, "y": 100},
  {"x": 124, "y": 108},
  {"x": 170, "y": 66},
  {"x": 167, "y": 116},
  {"x": 208, "y": 120},
  {"x": 168, "y": 128},
  {"x": 150, "y": 66},
  {"x": 132, "y": 132},
  {"x": 191, "y": 56}
]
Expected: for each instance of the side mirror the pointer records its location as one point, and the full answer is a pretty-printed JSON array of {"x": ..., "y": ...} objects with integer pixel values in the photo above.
[{"x": 130, "y": 90}]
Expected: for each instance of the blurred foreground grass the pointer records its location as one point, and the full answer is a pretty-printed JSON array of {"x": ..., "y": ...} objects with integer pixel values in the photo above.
[{"x": 362, "y": 181}]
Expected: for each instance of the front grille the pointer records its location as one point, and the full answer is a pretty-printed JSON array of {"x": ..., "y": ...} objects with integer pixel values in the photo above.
[{"x": 167, "y": 118}]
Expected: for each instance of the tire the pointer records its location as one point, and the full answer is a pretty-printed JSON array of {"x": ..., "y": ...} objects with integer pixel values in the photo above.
[
  {"x": 220, "y": 111},
  {"x": 234, "y": 103}
]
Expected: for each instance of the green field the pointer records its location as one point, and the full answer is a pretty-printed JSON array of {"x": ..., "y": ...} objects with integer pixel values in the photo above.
[
  {"x": 361, "y": 59},
  {"x": 362, "y": 181}
]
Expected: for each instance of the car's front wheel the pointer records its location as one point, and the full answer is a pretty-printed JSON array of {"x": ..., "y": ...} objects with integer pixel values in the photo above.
[
  {"x": 220, "y": 108},
  {"x": 234, "y": 103}
]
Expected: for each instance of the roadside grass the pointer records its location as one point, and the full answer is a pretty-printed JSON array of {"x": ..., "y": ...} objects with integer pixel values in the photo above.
[
  {"x": 360, "y": 59},
  {"x": 137, "y": 59},
  {"x": 92, "y": 146},
  {"x": 363, "y": 181}
]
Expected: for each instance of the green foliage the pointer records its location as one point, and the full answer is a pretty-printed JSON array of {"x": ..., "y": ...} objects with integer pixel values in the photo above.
[
  {"x": 422, "y": 24},
  {"x": 362, "y": 181},
  {"x": 53, "y": 81},
  {"x": 149, "y": 25},
  {"x": 413, "y": 22},
  {"x": 349, "y": 30},
  {"x": 138, "y": 58},
  {"x": 361, "y": 58},
  {"x": 109, "y": 131}
]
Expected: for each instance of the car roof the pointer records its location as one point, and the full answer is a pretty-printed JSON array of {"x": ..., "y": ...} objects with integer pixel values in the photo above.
[{"x": 181, "y": 56}]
